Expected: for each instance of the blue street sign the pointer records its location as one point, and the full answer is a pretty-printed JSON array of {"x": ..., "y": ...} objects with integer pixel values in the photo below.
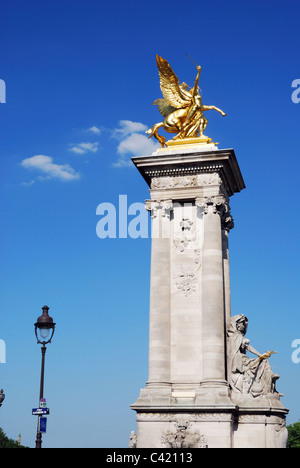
[
  {"x": 43, "y": 425},
  {"x": 40, "y": 411}
]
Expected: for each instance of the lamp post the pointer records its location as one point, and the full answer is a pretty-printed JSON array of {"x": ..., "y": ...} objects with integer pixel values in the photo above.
[
  {"x": 44, "y": 327},
  {"x": 2, "y": 397}
]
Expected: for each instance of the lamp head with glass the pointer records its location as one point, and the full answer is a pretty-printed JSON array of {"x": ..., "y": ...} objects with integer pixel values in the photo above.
[{"x": 44, "y": 326}]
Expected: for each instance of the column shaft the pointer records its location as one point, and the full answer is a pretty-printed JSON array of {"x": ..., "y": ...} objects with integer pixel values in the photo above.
[
  {"x": 213, "y": 300},
  {"x": 159, "y": 328}
]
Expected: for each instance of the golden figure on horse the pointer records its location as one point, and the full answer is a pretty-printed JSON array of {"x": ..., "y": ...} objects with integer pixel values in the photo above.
[{"x": 181, "y": 107}]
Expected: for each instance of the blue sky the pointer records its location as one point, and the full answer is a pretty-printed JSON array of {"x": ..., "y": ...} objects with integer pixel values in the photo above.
[{"x": 81, "y": 77}]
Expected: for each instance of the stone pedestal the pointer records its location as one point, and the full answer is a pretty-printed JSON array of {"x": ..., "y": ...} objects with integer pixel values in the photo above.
[{"x": 187, "y": 397}]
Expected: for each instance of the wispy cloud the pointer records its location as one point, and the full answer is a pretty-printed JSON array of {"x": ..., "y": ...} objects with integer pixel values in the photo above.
[
  {"x": 28, "y": 184},
  {"x": 83, "y": 148},
  {"x": 48, "y": 169},
  {"x": 94, "y": 130},
  {"x": 133, "y": 142}
]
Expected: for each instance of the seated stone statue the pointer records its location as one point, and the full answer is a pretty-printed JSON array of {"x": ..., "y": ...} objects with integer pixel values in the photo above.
[{"x": 246, "y": 375}]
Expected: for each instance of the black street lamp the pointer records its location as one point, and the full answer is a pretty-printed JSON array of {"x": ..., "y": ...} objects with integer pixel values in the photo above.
[
  {"x": 44, "y": 327},
  {"x": 2, "y": 397}
]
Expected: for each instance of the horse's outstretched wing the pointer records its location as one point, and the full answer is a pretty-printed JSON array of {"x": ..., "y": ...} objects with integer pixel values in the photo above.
[{"x": 172, "y": 91}]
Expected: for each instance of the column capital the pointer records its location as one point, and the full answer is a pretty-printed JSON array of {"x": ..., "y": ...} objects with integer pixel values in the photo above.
[
  {"x": 217, "y": 204},
  {"x": 166, "y": 207},
  {"x": 153, "y": 206},
  {"x": 213, "y": 203}
]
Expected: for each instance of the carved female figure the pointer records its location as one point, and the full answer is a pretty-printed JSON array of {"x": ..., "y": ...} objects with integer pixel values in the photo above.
[{"x": 246, "y": 375}]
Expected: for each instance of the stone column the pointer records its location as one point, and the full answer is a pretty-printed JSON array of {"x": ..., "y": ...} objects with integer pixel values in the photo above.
[
  {"x": 159, "y": 326},
  {"x": 227, "y": 225},
  {"x": 213, "y": 307},
  {"x": 190, "y": 296},
  {"x": 226, "y": 272}
]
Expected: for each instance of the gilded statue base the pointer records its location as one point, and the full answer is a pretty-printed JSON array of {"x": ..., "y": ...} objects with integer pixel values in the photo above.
[{"x": 188, "y": 143}]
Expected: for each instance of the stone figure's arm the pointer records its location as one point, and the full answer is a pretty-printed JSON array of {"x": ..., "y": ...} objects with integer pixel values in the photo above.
[{"x": 253, "y": 351}]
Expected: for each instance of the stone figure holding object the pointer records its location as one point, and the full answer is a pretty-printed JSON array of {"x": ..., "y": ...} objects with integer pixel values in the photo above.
[
  {"x": 132, "y": 440},
  {"x": 248, "y": 375}
]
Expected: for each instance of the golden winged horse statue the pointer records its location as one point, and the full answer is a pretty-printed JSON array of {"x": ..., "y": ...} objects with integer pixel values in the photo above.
[{"x": 181, "y": 107}]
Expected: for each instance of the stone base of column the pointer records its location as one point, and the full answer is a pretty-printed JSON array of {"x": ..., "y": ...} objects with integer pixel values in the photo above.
[
  {"x": 188, "y": 425},
  {"x": 260, "y": 428},
  {"x": 185, "y": 416},
  {"x": 214, "y": 394},
  {"x": 153, "y": 395},
  {"x": 183, "y": 428},
  {"x": 211, "y": 428},
  {"x": 209, "y": 393}
]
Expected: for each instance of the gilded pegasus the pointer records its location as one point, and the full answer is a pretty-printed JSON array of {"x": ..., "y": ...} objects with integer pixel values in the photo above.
[{"x": 181, "y": 107}]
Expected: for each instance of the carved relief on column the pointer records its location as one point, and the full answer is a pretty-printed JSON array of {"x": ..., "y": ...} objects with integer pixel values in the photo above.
[
  {"x": 182, "y": 436},
  {"x": 186, "y": 245},
  {"x": 227, "y": 221}
]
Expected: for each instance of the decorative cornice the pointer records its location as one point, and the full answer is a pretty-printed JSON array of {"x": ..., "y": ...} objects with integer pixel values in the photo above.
[
  {"x": 183, "y": 170},
  {"x": 222, "y": 162}
]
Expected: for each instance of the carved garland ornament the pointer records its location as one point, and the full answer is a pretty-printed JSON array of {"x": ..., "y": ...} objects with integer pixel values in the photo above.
[
  {"x": 193, "y": 417},
  {"x": 186, "y": 181},
  {"x": 186, "y": 283}
]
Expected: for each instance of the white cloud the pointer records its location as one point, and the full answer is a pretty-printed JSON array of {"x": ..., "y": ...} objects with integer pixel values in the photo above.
[
  {"x": 83, "y": 148},
  {"x": 49, "y": 169},
  {"x": 95, "y": 130},
  {"x": 137, "y": 145},
  {"x": 133, "y": 142},
  {"x": 127, "y": 127}
]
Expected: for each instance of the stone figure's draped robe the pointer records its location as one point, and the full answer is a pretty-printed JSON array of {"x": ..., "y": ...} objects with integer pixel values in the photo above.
[{"x": 257, "y": 380}]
